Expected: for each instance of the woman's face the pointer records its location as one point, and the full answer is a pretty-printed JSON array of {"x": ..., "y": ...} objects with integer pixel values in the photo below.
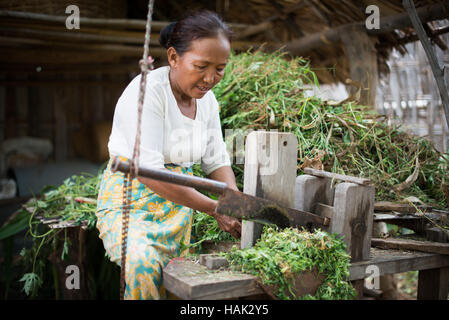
[{"x": 201, "y": 68}]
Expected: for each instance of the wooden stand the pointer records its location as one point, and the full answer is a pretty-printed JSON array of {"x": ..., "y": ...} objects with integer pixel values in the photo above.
[{"x": 349, "y": 205}]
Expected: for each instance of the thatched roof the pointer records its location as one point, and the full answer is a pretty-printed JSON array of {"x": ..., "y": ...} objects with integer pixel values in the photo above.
[
  {"x": 284, "y": 21},
  {"x": 290, "y": 23}
]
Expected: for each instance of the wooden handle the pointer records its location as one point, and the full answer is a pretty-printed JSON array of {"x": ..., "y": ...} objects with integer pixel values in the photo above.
[{"x": 216, "y": 187}]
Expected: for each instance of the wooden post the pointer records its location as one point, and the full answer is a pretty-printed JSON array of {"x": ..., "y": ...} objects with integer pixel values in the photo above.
[
  {"x": 362, "y": 57},
  {"x": 433, "y": 284},
  {"x": 353, "y": 218},
  {"x": 270, "y": 173}
]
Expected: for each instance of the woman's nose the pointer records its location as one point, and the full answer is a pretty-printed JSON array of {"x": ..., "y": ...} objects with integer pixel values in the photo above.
[{"x": 209, "y": 78}]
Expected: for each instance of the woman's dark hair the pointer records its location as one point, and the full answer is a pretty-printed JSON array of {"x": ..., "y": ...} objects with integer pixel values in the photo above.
[{"x": 197, "y": 25}]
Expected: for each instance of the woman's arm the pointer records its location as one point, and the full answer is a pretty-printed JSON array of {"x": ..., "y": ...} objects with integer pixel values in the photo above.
[
  {"x": 191, "y": 198},
  {"x": 224, "y": 174},
  {"x": 182, "y": 195}
]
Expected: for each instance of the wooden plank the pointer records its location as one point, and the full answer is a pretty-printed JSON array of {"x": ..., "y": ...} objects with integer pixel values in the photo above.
[
  {"x": 433, "y": 284},
  {"x": 397, "y": 261},
  {"x": 87, "y": 68},
  {"x": 213, "y": 261},
  {"x": 125, "y": 50},
  {"x": 407, "y": 244},
  {"x": 353, "y": 218},
  {"x": 98, "y": 22},
  {"x": 386, "y": 206},
  {"x": 189, "y": 280},
  {"x": 331, "y": 175},
  {"x": 270, "y": 173}
]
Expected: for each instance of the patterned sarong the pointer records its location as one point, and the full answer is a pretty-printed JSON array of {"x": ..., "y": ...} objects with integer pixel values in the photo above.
[{"x": 156, "y": 229}]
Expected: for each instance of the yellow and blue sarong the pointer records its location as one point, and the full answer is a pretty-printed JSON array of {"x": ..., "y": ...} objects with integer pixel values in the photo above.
[{"x": 156, "y": 229}]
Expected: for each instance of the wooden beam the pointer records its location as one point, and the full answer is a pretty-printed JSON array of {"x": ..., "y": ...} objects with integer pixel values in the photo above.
[
  {"x": 395, "y": 261},
  {"x": 94, "y": 22},
  {"x": 387, "y": 206},
  {"x": 414, "y": 37},
  {"x": 19, "y": 55},
  {"x": 58, "y": 83},
  {"x": 51, "y": 68},
  {"x": 435, "y": 38},
  {"x": 433, "y": 284},
  {"x": 132, "y": 51},
  {"x": 71, "y": 36},
  {"x": 406, "y": 244}
]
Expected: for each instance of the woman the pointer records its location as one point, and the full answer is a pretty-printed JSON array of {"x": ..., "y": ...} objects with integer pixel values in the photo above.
[{"x": 180, "y": 126}]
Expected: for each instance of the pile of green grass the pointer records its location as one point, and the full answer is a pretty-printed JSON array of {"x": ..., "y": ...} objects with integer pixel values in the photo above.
[
  {"x": 280, "y": 254},
  {"x": 267, "y": 91}
]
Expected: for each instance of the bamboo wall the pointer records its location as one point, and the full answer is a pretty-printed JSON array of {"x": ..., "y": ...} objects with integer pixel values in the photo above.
[{"x": 410, "y": 96}]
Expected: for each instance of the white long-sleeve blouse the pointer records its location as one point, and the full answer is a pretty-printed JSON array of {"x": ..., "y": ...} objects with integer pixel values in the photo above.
[{"x": 167, "y": 135}]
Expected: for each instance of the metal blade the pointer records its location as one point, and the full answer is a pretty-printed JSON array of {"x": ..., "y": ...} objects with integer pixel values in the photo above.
[{"x": 243, "y": 206}]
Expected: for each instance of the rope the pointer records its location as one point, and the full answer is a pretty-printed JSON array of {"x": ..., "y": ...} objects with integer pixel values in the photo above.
[{"x": 145, "y": 65}]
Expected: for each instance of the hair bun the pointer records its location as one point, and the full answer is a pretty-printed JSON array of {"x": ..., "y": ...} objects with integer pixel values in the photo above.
[{"x": 166, "y": 32}]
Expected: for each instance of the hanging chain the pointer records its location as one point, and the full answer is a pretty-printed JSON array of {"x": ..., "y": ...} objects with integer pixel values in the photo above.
[{"x": 145, "y": 65}]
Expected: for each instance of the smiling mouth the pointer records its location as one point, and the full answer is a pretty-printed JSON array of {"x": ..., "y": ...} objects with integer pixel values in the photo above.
[{"x": 203, "y": 89}]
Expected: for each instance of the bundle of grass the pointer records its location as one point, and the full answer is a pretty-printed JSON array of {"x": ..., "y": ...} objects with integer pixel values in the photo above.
[
  {"x": 280, "y": 257},
  {"x": 262, "y": 91}
]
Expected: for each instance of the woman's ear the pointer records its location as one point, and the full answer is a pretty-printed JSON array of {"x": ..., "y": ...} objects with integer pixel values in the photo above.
[{"x": 172, "y": 57}]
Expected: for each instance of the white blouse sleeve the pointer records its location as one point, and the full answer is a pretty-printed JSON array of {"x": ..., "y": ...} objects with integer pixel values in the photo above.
[
  {"x": 216, "y": 155},
  {"x": 152, "y": 127}
]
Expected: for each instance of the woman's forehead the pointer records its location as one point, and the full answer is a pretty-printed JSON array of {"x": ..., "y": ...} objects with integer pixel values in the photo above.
[{"x": 211, "y": 50}]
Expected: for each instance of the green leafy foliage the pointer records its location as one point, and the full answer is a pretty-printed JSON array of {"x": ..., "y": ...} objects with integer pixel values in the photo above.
[
  {"x": 263, "y": 91},
  {"x": 31, "y": 283},
  {"x": 280, "y": 254}
]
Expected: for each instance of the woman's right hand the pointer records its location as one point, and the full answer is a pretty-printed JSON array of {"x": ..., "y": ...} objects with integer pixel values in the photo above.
[{"x": 228, "y": 224}]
